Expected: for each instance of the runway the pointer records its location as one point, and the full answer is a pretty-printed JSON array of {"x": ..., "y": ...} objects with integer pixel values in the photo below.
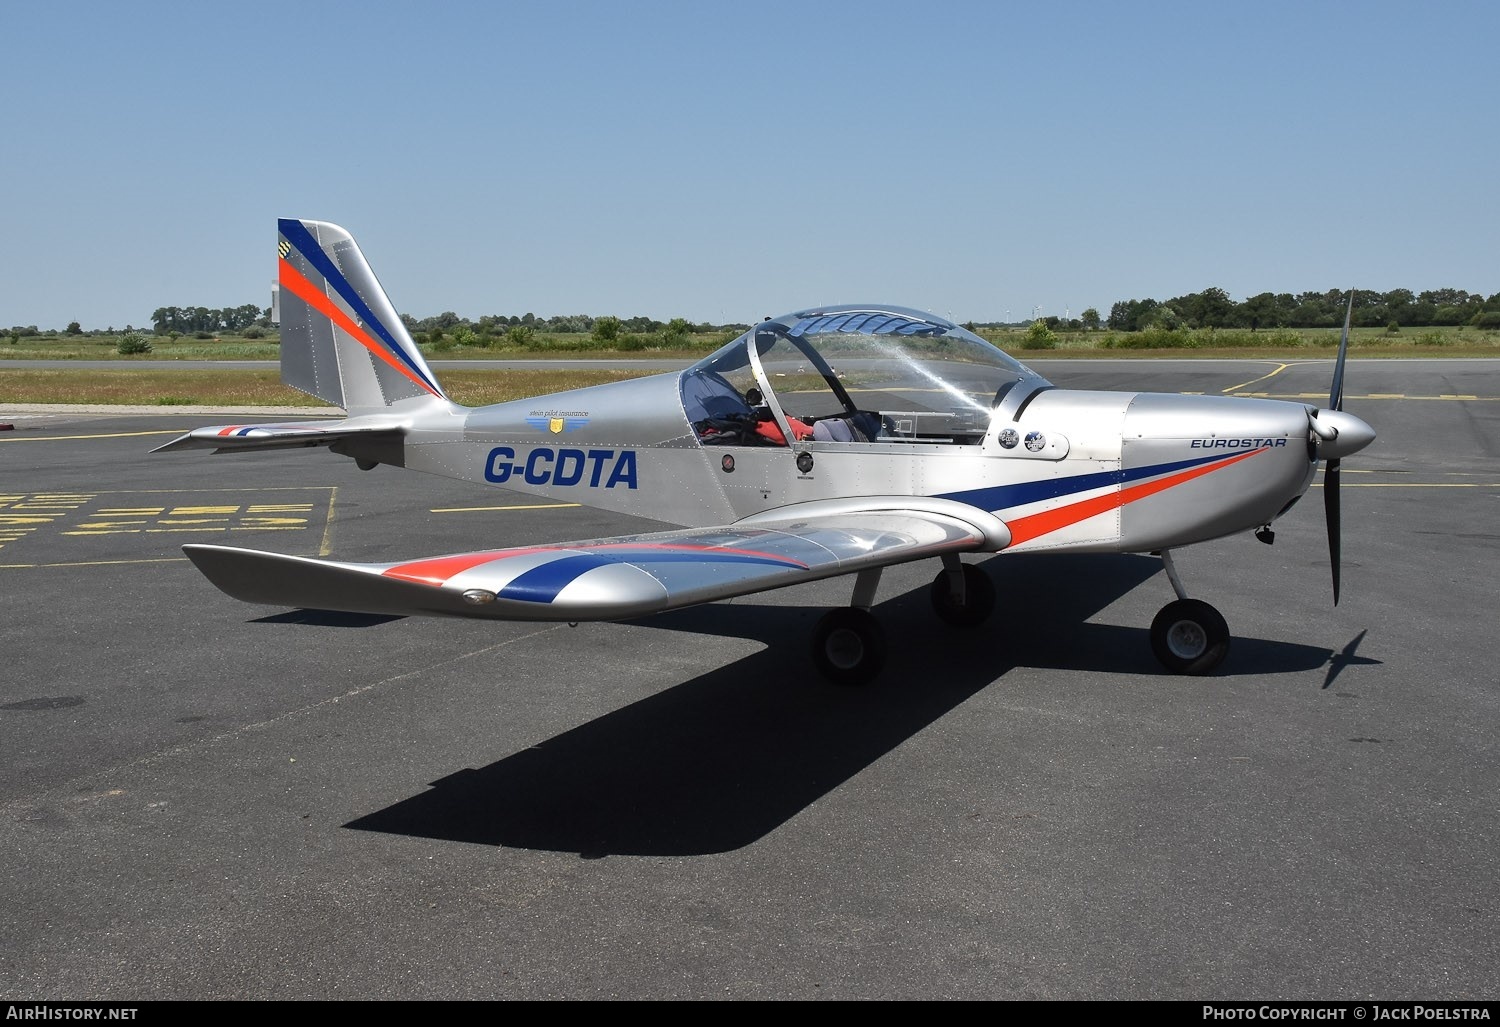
[{"x": 203, "y": 799}]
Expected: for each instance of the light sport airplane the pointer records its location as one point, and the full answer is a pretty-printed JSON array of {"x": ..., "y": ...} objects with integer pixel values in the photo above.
[{"x": 832, "y": 441}]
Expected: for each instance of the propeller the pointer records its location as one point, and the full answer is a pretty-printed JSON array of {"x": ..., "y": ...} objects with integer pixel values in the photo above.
[{"x": 1331, "y": 473}]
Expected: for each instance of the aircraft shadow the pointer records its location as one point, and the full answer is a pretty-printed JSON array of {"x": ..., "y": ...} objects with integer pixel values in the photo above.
[
  {"x": 715, "y": 763},
  {"x": 1039, "y": 621},
  {"x": 328, "y": 618}
]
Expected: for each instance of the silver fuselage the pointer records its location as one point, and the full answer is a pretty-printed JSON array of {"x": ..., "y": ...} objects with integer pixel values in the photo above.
[{"x": 1084, "y": 471}]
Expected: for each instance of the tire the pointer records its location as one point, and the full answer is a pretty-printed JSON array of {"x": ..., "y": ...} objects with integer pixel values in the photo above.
[
  {"x": 1189, "y": 637},
  {"x": 979, "y": 598},
  {"x": 848, "y": 646}
]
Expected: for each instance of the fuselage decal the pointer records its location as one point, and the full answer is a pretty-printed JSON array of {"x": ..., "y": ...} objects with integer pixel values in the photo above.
[
  {"x": 565, "y": 467},
  {"x": 1004, "y": 497},
  {"x": 1024, "y": 529}
]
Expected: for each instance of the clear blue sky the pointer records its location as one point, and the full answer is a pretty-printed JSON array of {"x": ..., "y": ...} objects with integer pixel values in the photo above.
[{"x": 725, "y": 161}]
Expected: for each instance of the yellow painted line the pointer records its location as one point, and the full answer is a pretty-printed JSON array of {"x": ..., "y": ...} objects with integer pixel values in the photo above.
[
  {"x": 325, "y": 548},
  {"x": 1443, "y": 474},
  {"x": 482, "y": 509},
  {"x": 65, "y": 438},
  {"x": 1252, "y": 381},
  {"x": 1371, "y": 396},
  {"x": 181, "y": 492},
  {"x": 51, "y": 510},
  {"x": 91, "y": 563}
]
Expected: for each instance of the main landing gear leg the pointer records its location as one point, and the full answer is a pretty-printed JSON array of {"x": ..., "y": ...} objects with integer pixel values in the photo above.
[
  {"x": 848, "y": 644},
  {"x": 1188, "y": 636},
  {"x": 962, "y": 594}
]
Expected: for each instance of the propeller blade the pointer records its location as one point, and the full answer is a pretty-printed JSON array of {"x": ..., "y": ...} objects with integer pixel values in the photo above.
[
  {"x": 1331, "y": 514},
  {"x": 1336, "y": 393},
  {"x": 1331, "y": 475}
]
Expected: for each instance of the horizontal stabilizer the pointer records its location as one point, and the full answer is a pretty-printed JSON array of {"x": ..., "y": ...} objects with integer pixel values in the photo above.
[{"x": 244, "y": 438}]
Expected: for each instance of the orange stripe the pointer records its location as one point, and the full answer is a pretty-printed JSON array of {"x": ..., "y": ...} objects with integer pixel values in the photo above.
[
  {"x": 305, "y": 290},
  {"x": 438, "y": 570},
  {"x": 1024, "y": 529}
]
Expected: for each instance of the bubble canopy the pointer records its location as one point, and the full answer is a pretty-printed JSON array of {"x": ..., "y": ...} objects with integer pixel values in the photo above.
[{"x": 922, "y": 375}]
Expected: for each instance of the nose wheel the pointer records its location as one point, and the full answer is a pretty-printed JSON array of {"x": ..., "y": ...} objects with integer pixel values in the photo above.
[{"x": 1189, "y": 637}]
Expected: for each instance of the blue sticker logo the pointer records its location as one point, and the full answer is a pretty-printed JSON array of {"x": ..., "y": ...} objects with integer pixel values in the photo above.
[{"x": 556, "y": 423}]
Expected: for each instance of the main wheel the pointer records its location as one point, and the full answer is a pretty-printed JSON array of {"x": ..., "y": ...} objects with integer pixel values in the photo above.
[
  {"x": 848, "y": 646},
  {"x": 979, "y": 598},
  {"x": 1189, "y": 637}
]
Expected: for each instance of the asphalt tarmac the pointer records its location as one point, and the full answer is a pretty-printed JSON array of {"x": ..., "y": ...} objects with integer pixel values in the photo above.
[{"x": 203, "y": 799}]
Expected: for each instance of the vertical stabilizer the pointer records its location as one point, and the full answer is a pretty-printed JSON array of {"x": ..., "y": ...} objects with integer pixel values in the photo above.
[{"x": 341, "y": 339}]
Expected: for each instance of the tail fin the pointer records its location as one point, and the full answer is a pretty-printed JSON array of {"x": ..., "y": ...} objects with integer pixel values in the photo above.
[{"x": 341, "y": 339}]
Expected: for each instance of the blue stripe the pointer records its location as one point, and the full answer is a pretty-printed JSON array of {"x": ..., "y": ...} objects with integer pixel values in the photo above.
[
  {"x": 542, "y": 584},
  {"x": 297, "y": 234},
  {"x": 1003, "y": 497}
]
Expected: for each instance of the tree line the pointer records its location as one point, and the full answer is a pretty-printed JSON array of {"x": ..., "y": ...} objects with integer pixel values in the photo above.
[
  {"x": 186, "y": 320},
  {"x": 498, "y": 324},
  {"x": 1210, "y": 308},
  {"x": 1213, "y": 308}
]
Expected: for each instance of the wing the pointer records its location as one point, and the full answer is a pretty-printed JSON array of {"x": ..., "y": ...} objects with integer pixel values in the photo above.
[
  {"x": 239, "y": 438},
  {"x": 616, "y": 578}
]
